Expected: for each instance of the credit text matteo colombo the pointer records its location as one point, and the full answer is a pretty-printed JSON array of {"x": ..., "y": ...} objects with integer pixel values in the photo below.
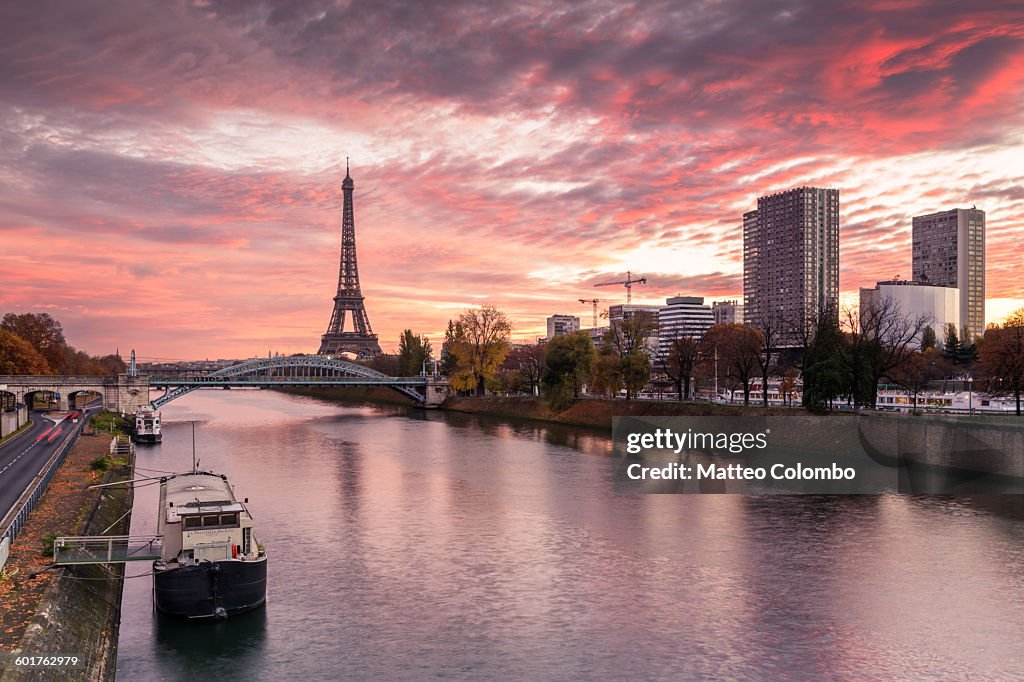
[{"x": 738, "y": 472}]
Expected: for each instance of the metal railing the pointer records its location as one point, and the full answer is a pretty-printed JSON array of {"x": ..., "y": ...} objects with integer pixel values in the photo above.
[
  {"x": 122, "y": 446},
  {"x": 105, "y": 549}
]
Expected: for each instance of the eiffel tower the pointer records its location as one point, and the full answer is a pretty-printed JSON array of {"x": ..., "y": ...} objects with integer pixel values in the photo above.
[{"x": 361, "y": 340}]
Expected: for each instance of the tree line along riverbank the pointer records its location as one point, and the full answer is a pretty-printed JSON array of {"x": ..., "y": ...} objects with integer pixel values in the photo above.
[{"x": 588, "y": 412}]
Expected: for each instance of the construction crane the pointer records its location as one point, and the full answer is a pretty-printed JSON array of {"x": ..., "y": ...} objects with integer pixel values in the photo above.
[
  {"x": 595, "y": 301},
  {"x": 628, "y": 283}
]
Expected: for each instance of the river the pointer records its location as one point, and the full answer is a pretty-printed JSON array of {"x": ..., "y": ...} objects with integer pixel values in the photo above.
[{"x": 413, "y": 545}]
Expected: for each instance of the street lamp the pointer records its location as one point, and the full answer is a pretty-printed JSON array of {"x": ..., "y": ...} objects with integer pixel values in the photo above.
[{"x": 970, "y": 395}]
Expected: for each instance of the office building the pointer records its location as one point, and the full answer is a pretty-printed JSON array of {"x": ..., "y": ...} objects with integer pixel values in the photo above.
[
  {"x": 629, "y": 310},
  {"x": 597, "y": 335},
  {"x": 682, "y": 316},
  {"x": 561, "y": 325},
  {"x": 727, "y": 312},
  {"x": 791, "y": 256},
  {"x": 949, "y": 250}
]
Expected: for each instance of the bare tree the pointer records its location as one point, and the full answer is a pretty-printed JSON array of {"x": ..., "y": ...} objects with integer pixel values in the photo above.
[
  {"x": 815, "y": 333},
  {"x": 737, "y": 349},
  {"x": 920, "y": 368},
  {"x": 1002, "y": 357},
  {"x": 879, "y": 340},
  {"x": 679, "y": 358},
  {"x": 524, "y": 365},
  {"x": 770, "y": 324}
]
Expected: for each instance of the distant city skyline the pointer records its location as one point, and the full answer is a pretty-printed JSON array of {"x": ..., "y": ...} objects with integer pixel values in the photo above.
[{"x": 170, "y": 175}]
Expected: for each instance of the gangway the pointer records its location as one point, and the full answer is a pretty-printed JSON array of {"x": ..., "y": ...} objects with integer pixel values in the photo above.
[
  {"x": 105, "y": 549},
  {"x": 122, "y": 447}
]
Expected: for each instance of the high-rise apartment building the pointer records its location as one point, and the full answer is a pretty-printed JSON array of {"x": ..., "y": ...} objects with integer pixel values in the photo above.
[
  {"x": 949, "y": 251},
  {"x": 791, "y": 256}
]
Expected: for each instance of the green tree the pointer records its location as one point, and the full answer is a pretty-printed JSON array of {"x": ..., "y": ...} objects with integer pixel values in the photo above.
[
  {"x": 413, "y": 351},
  {"x": 959, "y": 349},
  {"x": 17, "y": 356},
  {"x": 453, "y": 336},
  {"x": 625, "y": 345},
  {"x": 824, "y": 380},
  {"x": 479, "y": 344},
  {"x": 952, "y": 342},
  {"x": 819, "y": 341},
  {"x": 607, "y": 375},
  {"x": 568, "y": 365},
  {"x": 636, "y": 372},
  {"x": 928, "y": 339}
]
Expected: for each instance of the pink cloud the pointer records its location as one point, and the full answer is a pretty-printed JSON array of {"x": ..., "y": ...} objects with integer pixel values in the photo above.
[{"x": 173, "y": 172}]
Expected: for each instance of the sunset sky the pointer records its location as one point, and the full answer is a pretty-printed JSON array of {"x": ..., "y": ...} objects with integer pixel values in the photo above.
[{"x": 170, "y": 173}]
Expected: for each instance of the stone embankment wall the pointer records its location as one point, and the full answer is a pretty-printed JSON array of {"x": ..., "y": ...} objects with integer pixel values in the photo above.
[
  {"x": 983, "y": 444},
  {"x": 597, "y": 412}
]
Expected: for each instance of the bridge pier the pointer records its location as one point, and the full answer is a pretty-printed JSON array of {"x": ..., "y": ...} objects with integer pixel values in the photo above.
[
  {"x": 131, "y": 394},
  {"x": 435, "y": 392}
]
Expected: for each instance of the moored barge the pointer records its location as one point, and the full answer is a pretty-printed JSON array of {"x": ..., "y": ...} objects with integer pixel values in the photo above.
[{"x": 211, "y": 565}]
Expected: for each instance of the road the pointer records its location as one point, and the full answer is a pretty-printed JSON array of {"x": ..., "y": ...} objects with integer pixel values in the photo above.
[{"x": 22, "y": 458}]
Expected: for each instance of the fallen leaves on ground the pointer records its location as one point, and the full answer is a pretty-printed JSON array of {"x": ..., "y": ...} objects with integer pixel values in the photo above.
[{"x": 60, "y": 511}]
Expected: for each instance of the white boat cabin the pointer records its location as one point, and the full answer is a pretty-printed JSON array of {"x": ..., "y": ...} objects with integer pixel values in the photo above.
[{"x": 200, "y": 520}]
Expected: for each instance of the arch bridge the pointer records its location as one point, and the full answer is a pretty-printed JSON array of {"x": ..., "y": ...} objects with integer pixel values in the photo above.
[
  {"x": 127, "y": 393},
  {"x": 300, "y": 370},
  {"x": 121, "y": 392}
]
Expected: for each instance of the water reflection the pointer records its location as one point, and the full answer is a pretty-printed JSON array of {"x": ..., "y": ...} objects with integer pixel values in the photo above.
[
  {"x": 587, "y": 440},
  {"x": 233, "y": 648},
  {"x": 407, "y": 545}
]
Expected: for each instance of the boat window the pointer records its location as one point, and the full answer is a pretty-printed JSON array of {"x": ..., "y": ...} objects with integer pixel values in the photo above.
[
  {"x": 229, "y": 519},
  {"x": 192, "y": 522}
]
